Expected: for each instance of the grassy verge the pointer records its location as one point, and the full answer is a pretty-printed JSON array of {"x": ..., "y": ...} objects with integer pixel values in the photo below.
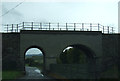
[
  {"x": 56, "y": 76},
  {"x": 11, "y": 74}
]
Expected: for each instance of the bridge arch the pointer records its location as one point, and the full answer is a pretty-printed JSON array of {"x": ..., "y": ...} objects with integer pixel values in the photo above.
[
  {"x": 90, "y": 55},
  {"x": 88, "y": 51},
  {"x": 43, "y": 53}
]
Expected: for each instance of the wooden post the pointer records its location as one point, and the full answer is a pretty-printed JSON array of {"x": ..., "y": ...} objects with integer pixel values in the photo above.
[
  {"x": 98, "y": 27},
  {"x": 108, "y": 29},
  {"x": 12, "y": 28},
  {"x": 74, "y": 26},
  {"x": 90, "y": 26},
  {"x": 66, "y": 26},
  {"x": 23, "y": 25},
  {"x": 17, "y": 27},
  {"x": 7, "y": 27},
  {"x": 41, "y": 26},
  {"x": 32, "y": 26},
  {"x": 112, "y": 29},
  {"x": 103, "y": 29},
  {"x": 49, "y": 26},
  {"x": 83, "y": 26}
]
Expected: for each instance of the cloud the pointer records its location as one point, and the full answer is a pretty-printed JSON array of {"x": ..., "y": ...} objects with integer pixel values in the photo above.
[
  {"x": 11, "y": 17},
  {"x": 61, "y": 0}
]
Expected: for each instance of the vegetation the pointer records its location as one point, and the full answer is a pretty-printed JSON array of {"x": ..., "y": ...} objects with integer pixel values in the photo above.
[
  {"x": 72, "y": 56},
  {"x": 11, "y": 74},
  {"x": 35, "y": 61}
]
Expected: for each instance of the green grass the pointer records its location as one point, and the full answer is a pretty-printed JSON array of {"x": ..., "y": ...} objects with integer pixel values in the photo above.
[{"x": 11, "y": 74}]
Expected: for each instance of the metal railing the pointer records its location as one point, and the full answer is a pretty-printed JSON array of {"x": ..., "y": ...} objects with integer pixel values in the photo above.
[{"x": 58, "y": 26}]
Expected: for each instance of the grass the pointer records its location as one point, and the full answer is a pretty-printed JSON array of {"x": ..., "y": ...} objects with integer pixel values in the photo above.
[{"x": 11, "y": 74}]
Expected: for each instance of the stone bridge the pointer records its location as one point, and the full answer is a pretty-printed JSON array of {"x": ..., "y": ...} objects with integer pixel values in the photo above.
[{"x": 103, "y": 46}]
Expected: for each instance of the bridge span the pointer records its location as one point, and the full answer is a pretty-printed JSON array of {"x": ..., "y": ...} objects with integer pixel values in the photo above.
[{"x": 104, "y": 47}]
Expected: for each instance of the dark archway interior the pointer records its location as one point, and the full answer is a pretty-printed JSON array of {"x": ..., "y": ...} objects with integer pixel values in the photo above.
[
  {"x": 89, "y": 53},
  {"x": 80, "y": 52}
]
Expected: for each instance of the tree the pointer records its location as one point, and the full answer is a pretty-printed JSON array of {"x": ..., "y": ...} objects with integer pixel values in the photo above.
[{"x": 29, "y": 61}]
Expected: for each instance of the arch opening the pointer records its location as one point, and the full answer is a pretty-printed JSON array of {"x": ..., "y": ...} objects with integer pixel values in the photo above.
[
  {"x": 76, "y": 54},
  {"x": 34, "y": 58}
]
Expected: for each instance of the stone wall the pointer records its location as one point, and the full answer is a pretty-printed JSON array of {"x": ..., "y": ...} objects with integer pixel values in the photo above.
[
  {"x": 74, "y": 71},
  {"x": 110, "y": 45},
  {"x": 10, "y": 50},
  {"x": 110, "y": 55}
]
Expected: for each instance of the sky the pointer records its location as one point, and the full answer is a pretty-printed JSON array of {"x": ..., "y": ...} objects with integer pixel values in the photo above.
[
  {"x": 34, "y": 51},
  {"x": 104, "y": 12}
]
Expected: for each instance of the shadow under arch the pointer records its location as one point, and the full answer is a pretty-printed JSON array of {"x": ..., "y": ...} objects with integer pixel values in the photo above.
[
  {"x": 90, "y": 53},
  {"x": 41, "y": 49},
  {"x": 89, "y": 67}
]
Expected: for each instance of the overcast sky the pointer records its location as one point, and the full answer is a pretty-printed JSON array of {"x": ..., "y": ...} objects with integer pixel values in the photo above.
[
  {"x": 104, "y": 12},
  {"x": 33, "y": 51}
]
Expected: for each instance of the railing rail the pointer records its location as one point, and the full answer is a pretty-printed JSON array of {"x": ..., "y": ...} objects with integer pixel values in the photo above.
[{"x": 58, "y": 26}]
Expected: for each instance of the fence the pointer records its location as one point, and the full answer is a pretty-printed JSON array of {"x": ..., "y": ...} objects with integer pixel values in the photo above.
[{"x": 58, "y": 26}]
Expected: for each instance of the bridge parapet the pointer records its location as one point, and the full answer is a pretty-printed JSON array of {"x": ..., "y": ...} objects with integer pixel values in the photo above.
[{"x": 58, "y": 26}]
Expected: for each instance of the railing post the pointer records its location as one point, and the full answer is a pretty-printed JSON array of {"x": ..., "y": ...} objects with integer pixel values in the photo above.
[
  {"x": 98, "y": 27},
  {"x": 58, "y": 26},
  {"x": 90, "y": 26},
  {"x": 23, "y": 25},
  {"x": 7, "y": 27},
  {"x": 17, "y": 27},
  {"x": 108, "y": 29},
  {"x": 41, "y": 26},
  {"x": 83, "y": 26},
  {"x": 66, "y": 26},
  {"x": 12, "y": 28},
  {"x": 32, "y": 26},
  {"x": 49, "y": 26},
  {"x": 103, "y": 29},
  {"x": 112, "y": 29},
  {"x": 74, "y": 26}
]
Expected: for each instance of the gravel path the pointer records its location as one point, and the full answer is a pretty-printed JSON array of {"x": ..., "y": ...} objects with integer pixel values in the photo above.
[{"x": 34, "y": 73}]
